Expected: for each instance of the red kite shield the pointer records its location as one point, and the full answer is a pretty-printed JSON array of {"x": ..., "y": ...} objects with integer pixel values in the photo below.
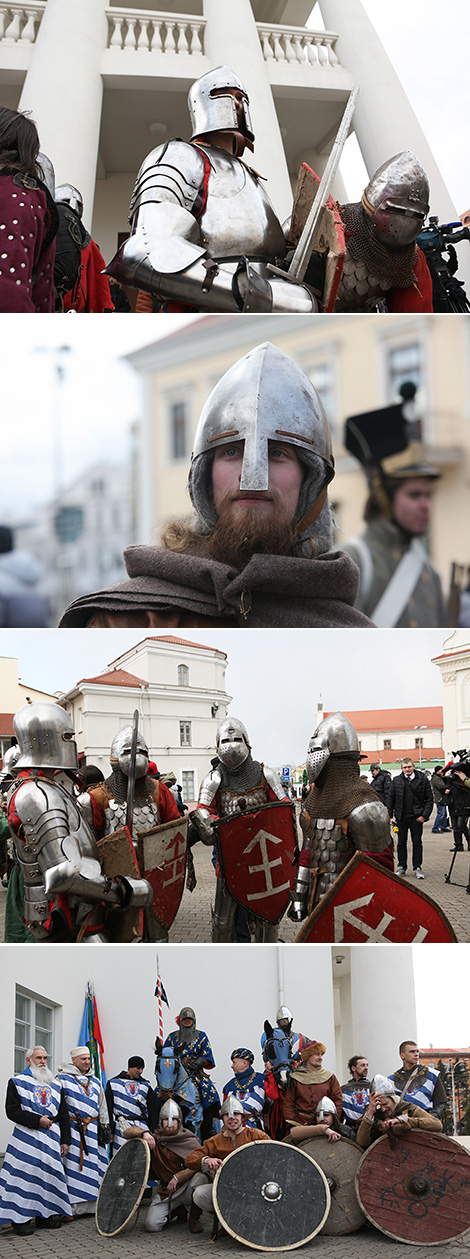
[
  {"x": 369, "y": 904},
  {"x": 257, "y": 858},
  {"x": 162, "y": 860}
]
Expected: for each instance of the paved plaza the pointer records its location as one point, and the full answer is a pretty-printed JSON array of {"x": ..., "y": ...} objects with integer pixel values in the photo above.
[
  {"x": 193, "y": 922},
  {"x": 81, "y": 1239}
]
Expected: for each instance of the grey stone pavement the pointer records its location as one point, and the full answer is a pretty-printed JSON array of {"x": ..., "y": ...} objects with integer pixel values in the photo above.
[
  {"x": 81, "y": 1240},
  {"x": 192, "y": 924}
]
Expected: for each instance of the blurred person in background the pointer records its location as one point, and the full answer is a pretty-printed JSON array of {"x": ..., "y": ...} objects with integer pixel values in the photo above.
[{"x": 22, "y": 605}]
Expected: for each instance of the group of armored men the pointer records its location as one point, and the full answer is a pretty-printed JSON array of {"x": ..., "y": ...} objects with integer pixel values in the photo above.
[
  {"x": 57, "y": 1157},
  {"x": 67, "y": 885}
]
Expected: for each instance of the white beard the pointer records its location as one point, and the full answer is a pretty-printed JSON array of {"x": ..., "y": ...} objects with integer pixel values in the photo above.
[{"x": 41, "y": 1074}]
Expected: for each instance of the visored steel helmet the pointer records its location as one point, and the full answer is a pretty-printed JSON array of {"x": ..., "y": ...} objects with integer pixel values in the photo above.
[
  {"x": 10, "y": 759},
  {"x": 232, "y": 742},
  {"x": 120, "y": 753},
  {"x": 170, "y": 1110},
  {"x": 333, "y": 735},
  {"x": 326, "y": 1107},
  {"x": 397, "y": 200},
  {"x": 217, "y": 113},
  {"x": 45, "y": 734},
  {"x": 231, "y": 1106},
  {"x": 187, "y": 1013},
  {"x": 71, "y": 196}
]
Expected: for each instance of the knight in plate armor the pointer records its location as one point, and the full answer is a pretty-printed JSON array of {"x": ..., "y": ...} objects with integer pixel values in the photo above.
[
  {"x": 105, "y": 805},
  {"x": 258, "y": 482},
  {"x": 236, "y": 777},
  {"x": 203, "y": 227},
  {"x": 66, "y": 896},
  {"x": 384, "y": 268},
  {"x": 341, "y": 814}
]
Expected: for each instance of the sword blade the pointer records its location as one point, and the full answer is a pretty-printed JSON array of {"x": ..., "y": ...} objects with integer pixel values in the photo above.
[
  {"x": 307, "y": 241},
  {"x": 131, "y": 778}
]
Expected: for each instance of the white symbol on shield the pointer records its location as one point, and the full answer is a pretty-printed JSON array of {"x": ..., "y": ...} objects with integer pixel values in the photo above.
[
  {"x": 262, "y": 838},
  {"x": 345, "y": 913},
  {"x": 174, "y": 866}
]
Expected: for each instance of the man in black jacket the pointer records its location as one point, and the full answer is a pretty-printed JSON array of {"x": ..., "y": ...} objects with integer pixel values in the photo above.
[
  {"x": 410, "y": 804},
  {"x": 381, "y": 780}
]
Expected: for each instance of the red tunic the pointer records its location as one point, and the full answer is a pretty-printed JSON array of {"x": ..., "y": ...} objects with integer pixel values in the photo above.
[{"x": 27, "y": 251}]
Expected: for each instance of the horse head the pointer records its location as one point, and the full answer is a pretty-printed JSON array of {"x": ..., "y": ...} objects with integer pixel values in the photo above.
[{"x": 276, "y": 1050}]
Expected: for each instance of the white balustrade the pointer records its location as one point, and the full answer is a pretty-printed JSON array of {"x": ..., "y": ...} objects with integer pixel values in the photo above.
[
  {"x": 19, "y": 23},
  {"x": 294, "y": 44},
  {"x": 144, "y": 31}
]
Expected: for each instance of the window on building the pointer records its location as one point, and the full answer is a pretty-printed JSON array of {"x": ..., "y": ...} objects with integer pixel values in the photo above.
[
  {"x": 404, "y": 362},
  {"x": 387, "y": 743},
  {"x": 79, "y": 720},
  {"x": 188, "y": 785},
  {"x": 178, "y": 430},
  {"x": 418, "y": 743},
  {"x": 185, "y": 734},
  {"x": 34, "y": 1025},
  {"x": 322, "y": 377},
  {"x": 183, "y": 675}
]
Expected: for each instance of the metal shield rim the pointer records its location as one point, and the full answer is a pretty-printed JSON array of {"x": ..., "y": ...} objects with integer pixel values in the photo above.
[
  {"x": 253, "y": 1245},
  {"x": 352, "y": 865},
  {"x": 137, "y": 1203},
  {"x": 271, "y": 804},
  {"x": 406, "y": 1240}
]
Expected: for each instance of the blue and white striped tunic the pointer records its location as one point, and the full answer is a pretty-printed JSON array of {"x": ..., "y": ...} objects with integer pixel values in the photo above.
[
  {"x": 355, "y": 1099},
  {"x": 32, "y": 1180},
  {"x": 82, "y": 1094},
  {"x": 421, "y": 1089},
  {"x": 130, "y": 1103},
  {"x": 251, "y": 1097}
]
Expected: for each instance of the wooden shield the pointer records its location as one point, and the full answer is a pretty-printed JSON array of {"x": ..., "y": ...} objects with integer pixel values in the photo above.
[
  {"x": 257, "y": 855},
  {"x": 418, "y": 1192},
  {"x": 330, "y": 236},
  {"x": 271, "y": 1196},
  {"x": 339, "y": 1160},
  {"x": 118, "y": 857},
  {"x": 369, "y": 904},
  {"x": 122, "y": 1187},
  {"x": 162, "y": 860}
]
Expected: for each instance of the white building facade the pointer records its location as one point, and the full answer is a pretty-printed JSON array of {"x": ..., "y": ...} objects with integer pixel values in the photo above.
[
  {"x": 42, "y": 1001},
  {"x": 106, "y": 83},
  {"x": 454, "y": 665},
  {"x": 178, "y": 688}
]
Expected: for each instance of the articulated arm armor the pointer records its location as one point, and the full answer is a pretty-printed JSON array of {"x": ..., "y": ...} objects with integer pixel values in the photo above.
[
  {"x": 215, "y": 262},
  {"x": 274, "y": 783},
  {"x": 57, "y": 854},
  {"x": 201, "y": 816},
  {"x": 369, "y": 826}
]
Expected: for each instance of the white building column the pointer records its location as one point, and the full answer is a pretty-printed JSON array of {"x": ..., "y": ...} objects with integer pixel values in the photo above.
[
  {"x": 63, "y": 89},
  {"x": 384, "y": 121},
  {"x": 232, "y": 39}
]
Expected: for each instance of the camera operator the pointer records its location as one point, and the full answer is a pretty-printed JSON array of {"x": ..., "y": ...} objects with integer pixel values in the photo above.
[{"x": 458, "y": 792}]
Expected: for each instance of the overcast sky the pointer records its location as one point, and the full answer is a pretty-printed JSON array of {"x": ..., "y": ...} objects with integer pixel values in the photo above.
[
  {"x": 441, "y": 978},
  {"x": 275, "y": 677}
]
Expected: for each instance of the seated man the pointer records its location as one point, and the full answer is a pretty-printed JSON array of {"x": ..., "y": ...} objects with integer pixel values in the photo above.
[
  {"x": 210, "y": 1155},
  {"x": 385, "y": 1112},
  {"x": 169, "y": 1145},
  {"x": 308, "y": 1085},
  {"x": 192, "y": 1046},
  {"x": 324, "y": 1124},
  {"x": 258, "y": 551}
]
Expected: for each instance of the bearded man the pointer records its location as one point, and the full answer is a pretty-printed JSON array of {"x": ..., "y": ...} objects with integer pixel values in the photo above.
[
  {"x": 33, "y": 1188},
  {"x": 258, "y": 551},
  {"x": 87, "y": 1159},
  {"x": 192, "y": 1047}
]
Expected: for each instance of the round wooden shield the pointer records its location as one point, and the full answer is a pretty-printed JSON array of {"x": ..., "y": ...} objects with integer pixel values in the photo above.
[
  {"x": 271, "y": 1196},
  {"x": 418, "y": 1192},
  {"x": 339, "y": 1160},
  {"x": 122, "y": 1187}
]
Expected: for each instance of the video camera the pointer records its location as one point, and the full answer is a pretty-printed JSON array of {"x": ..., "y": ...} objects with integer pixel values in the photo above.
[
  {"x": 462, "y": 763},
  {"x": 438, "y": 242}
]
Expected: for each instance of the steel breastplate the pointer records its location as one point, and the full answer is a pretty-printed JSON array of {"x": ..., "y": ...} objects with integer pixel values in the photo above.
[
  {"x": 330, "y": 850},
  {"x": 239, "y": 218},
  {"x": 59, "y": 820}
]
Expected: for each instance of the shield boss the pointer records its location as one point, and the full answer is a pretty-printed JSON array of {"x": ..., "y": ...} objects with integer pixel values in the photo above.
[
  {"x": 122, "y": 1187},
  {"x": 418, "y": 1192},
  {"x": 271, "y": 1196},
  {"x": 339, "y": 1161}
]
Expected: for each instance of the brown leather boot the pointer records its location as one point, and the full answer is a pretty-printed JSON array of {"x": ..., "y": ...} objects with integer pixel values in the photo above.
[{"x": 194, "y": 1219}]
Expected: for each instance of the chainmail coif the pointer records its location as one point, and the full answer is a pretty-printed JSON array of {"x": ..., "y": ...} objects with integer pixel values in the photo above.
[
  {"x": 118, "y": 785},
  {"x": 249, "y": 775},
  {"x": 362, "y": 246},
  {"x": 338, "y": 789}
]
